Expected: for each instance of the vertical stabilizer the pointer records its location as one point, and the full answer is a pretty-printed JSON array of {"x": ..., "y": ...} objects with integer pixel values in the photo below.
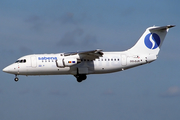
[{"x": 151, "y": 41}]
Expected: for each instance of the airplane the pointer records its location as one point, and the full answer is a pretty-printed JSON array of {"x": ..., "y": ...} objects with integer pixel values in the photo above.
[{"x": 82, "y": 63}]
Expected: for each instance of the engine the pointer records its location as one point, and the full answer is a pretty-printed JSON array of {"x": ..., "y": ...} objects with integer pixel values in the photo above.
[{"x": 67, "y": 62}]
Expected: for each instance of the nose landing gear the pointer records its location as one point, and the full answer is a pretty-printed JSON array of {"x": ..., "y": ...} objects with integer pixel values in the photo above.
[{"x": 16, "y": 78}]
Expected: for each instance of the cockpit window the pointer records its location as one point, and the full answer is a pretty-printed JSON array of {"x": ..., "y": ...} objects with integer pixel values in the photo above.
[{"x": 21, "y": 61}]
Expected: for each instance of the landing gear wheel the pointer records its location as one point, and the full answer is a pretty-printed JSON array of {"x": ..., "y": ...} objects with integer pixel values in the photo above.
[
  {"x": 80, "y": 77},
  {"x": 16, "y": 78},
  {"x": 79, "y": 80}
]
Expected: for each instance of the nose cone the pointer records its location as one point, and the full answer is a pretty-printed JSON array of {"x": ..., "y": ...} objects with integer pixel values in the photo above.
[
  {"x": 5, "y": 69},
  {"x": 10, "y": 69}
]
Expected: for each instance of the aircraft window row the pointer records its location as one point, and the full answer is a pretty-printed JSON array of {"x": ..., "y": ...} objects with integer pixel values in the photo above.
[
  {"x": 101, "y": 60},
  {"x": 108, "y": 59},
  {"x": 86, "y": 60},
  {"x": 21, "y": 61}
]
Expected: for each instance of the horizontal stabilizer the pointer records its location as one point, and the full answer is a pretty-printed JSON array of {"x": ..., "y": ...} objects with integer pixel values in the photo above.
[{"x": 162, "y": 28}]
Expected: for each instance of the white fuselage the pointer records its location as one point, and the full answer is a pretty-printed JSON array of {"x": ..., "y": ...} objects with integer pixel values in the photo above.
[
  {"x": 46, "y": 64},
  {"x": 83, "y": 63}
]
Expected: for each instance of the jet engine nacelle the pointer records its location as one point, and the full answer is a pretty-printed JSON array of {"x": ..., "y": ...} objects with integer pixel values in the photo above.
[{"x": 67, "y": 62}]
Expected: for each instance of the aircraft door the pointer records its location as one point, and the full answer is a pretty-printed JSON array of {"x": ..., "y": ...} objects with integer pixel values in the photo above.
[
  {"x": 123, "y": 60},
  {"x": 33, "y": 61}
]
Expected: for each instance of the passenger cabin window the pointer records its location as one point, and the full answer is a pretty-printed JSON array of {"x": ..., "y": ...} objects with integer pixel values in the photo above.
[{"x": 21, "y": 61}]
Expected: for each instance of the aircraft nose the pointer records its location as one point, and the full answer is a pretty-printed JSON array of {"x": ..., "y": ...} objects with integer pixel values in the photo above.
[
  {"x": 10, "y": 69},
  {"x": 7, "y": 69}
]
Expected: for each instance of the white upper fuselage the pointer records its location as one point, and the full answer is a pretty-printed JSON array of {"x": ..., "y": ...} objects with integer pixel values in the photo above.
[
  {"x": 46, "y": 64},
  {"x": 83, "y": 63}
]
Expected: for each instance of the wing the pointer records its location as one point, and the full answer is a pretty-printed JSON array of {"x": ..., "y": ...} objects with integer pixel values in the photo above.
[{"x": 90, "y": 55}]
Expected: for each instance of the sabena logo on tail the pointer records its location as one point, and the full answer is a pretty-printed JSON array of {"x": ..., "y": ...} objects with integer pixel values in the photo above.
[{"x": 152, "y": 41}]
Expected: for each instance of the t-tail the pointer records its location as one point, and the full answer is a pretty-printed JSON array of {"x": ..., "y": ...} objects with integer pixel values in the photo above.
[{"x": 150, "y": 42}]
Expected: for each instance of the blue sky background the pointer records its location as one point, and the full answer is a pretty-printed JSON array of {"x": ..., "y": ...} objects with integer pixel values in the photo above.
[{"x": 148, "y": 92}]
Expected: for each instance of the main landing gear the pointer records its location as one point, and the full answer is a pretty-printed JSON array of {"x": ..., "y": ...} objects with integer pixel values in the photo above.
[
  {"x": 16, "y": 78},
  {"x": 80, "y": 77}
]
